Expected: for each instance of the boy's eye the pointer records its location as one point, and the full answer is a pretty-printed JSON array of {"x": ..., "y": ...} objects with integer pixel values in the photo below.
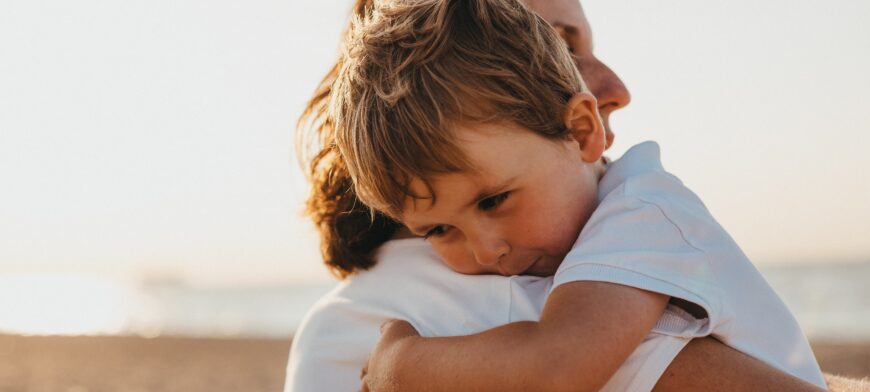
[
  {"x": 492, "y": 202},
  {"x": 435, "y": 232}
]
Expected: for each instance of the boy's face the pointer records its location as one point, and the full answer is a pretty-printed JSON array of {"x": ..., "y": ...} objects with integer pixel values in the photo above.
[{"x": 520, "y": 212}]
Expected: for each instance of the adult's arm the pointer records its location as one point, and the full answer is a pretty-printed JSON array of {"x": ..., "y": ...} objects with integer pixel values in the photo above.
[
  {"x": 706, "y": 364},
  {"x": 844, "y": 384}
]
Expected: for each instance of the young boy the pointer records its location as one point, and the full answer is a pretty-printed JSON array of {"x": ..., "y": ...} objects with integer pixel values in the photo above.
[{"x": 467, "y": 122}]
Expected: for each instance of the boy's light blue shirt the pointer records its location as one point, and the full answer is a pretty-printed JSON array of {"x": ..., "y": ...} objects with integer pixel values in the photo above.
[{"x": 651, "y": 232}]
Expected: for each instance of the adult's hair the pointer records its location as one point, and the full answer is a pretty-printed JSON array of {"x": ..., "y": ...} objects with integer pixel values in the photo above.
[{"x": 349, "y": 234}]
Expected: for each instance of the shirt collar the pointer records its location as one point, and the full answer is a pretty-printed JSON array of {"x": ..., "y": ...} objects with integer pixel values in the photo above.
[{"x": 639, "y": 159}]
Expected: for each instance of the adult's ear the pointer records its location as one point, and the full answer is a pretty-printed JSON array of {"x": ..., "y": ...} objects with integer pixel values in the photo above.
[{"x": 584, "y": 122}]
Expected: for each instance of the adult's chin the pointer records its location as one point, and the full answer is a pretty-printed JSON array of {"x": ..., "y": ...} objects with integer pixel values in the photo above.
[{"x": 608, "y": 134}]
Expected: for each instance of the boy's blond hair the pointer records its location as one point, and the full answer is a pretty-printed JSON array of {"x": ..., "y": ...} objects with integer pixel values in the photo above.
[{"x": 413, "y": 69}]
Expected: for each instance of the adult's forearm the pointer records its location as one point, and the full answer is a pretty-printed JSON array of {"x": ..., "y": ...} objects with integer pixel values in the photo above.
[{"x": 709, "y": 365}]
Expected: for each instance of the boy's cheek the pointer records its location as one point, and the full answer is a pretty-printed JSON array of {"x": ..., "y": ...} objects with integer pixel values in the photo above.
[{"x": 459, "y": 260}]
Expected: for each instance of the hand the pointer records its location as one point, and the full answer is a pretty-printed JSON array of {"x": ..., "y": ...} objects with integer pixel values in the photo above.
[
  {"x": 843, "y": 384},
  {"x": 380, "y": 371}
]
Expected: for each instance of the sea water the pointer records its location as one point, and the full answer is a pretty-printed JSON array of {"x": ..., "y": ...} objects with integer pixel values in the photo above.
[{"x": 830, "y": 301}]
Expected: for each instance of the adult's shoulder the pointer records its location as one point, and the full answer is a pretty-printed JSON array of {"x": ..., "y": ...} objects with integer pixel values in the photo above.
[
  {"x": 409, "y": 282},
  {"x": 338, "y": 331},
  {"x": 402, "y": 280}
]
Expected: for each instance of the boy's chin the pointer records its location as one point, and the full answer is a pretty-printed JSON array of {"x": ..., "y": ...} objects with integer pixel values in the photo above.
[{"x": 543, "y": 266}]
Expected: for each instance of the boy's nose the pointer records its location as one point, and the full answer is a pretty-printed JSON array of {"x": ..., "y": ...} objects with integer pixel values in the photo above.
[{"x": 488, "y": 251}]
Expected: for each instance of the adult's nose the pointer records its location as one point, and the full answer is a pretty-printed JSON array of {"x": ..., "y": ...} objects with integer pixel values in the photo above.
[{"x": 607, "y": 88}]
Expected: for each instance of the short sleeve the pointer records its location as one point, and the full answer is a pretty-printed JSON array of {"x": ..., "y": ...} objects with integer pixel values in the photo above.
[
  {"x": 632, "y": 242},
  {"x": 646, "y": 364}
]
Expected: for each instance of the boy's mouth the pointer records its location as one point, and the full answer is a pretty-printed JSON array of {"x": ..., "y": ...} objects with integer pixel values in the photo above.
[
  {"x": 530, "y": 269},
  {"x": 511, "y": 268}
]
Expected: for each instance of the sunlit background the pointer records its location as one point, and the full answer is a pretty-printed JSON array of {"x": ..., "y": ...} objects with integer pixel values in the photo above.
[{"x": 148, "y": 183}]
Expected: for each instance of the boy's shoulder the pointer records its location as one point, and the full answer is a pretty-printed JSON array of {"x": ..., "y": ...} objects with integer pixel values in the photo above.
[
  {"x": 650, "y": 232},
  {"x": 638, "y": 177}
]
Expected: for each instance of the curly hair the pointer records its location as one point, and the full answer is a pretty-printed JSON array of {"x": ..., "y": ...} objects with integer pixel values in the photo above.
[{"x": 349, "y": 233}]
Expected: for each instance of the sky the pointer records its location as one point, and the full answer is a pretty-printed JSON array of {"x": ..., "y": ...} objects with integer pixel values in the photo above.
[{"x": 155, "y": 138}]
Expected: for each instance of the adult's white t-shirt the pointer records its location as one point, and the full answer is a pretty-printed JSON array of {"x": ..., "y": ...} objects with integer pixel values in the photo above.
[{"x": 411, "y": 283}]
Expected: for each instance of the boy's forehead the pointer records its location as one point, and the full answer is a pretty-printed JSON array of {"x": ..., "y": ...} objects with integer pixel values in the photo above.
[
  {"x": 500, "y": 155},
  {"x": 492, "y": 146}
]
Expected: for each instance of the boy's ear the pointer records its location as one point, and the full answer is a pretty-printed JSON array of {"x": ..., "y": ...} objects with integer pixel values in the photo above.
[{"x": 584, "y": 122}]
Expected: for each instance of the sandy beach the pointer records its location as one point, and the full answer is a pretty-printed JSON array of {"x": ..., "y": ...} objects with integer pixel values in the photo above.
[{"x": 86, "y": 364}]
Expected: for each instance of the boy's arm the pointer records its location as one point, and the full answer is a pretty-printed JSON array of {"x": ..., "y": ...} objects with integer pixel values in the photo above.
[{"x": 586, "y": 331}]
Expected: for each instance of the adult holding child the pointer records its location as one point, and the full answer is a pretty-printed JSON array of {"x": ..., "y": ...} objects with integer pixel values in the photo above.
[{"x": 407, "y": 284}]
